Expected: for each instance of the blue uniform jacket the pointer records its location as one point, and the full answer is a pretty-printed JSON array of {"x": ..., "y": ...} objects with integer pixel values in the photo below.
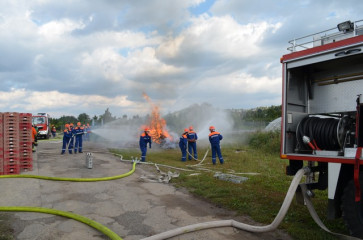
[
  {"x": 67, "y": 133},
  {"x": 144, "y": 140},
  {"x": 215, "y": 138},
  {"x": 192, "y": 136},
  {"x": 183, "y": 141},
  {"x": 78, "y": 130}
]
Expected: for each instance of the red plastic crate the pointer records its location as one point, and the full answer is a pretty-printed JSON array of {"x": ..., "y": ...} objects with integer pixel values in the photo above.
[
  {"x": 11, "y": 161},
  {"x": 11, "y": 169},
  {"x": 25, "y": 134},
  {"x": 25, "y": 138},
  {"x": 25, "y": 161},
  {"x": 10, "y": 148},
  {"x": 11, "y": 134},
  {"x": 25, "y": 117},
  {"x": 25, "y": 145},
  {"x": 10, "y": 114},
  {"x": 25, "y": 126},
  {"x": 27, "y": 167},
  {"x": 26, "y": 154},
  {"x": 11, "y": 141},
  {"x": 10, "y": 128},
  {"x": 9, "y": 121}
]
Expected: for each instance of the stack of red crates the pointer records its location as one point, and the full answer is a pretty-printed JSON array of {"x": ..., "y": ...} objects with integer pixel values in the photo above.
[
  {"x": 16, "y": 140},
  {"x": 25, "y": 142}
]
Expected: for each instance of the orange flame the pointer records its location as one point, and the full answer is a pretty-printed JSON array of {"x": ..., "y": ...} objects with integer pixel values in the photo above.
[{"x": 157, "y": 124}]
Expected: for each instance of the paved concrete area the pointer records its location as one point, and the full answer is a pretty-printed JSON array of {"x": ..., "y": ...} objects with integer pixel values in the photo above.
[{"x": 131, "y": 208}]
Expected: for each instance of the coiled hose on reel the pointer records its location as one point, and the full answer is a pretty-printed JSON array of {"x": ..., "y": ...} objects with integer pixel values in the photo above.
[{"x": 323, "y": 133}]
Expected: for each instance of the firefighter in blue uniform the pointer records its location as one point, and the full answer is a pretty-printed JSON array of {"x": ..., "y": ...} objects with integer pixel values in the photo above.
[
  {"x": 71, "y": 140},
  {"x": 183, "y": 143},
  {"x": 214, "y": 139},
  {"x": 192, "y": 143},
  {"x": 144, "y": 140},
  {"x": 79, "y": 130},
  {"x": 67, "y": 134}
]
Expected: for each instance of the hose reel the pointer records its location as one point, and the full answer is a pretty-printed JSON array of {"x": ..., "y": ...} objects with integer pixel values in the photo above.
[{"x": 324, "y": 133}]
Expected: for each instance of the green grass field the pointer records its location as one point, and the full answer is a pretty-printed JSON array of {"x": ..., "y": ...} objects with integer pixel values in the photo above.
[{"x": 261, "y": 196}]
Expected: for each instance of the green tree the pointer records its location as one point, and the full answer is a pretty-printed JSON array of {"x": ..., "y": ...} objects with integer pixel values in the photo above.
[{"x": 84, "y": 118}]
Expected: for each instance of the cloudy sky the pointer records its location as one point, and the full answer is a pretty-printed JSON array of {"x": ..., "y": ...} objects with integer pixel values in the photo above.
[{"x": 83, "y": 56}]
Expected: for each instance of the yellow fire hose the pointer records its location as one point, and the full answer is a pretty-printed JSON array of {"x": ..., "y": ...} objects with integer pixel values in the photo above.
[
  {"x": 73, "y": 179},
  {"x": 79, "y": 218}
]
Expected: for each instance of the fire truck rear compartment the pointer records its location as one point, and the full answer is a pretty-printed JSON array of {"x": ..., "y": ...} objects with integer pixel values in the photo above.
[{"x": 321, "y": 104}]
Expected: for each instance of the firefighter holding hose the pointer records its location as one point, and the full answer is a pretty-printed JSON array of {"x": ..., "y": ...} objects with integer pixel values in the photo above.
[
  {"x": 67, "y": 135},
  {"x": 79, "y": 131},
  {"x": 145, "y": 138},
  {"x": 192, "y": 143},
  {"x": 183, "y": 142},
  {"x": 214, "y": 139}
]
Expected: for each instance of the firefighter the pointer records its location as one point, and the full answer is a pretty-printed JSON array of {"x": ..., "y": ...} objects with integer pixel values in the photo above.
[
  {"x": 144, "y": 140},
  {"x": 214, "y": 139},
  {"x": 192, "y": 143},
  {"x": 78, "y": 131},
  {"x": 54, "y": 131},
  {"x": 71, "y": 140},
  {"x": 34, "y": 138},
  {"x": 183, "y": 142},
  {"x": 67, "y": 135}
]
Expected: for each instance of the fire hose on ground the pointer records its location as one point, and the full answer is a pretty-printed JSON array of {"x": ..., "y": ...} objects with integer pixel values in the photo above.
[{"x": 182, "y": 230}]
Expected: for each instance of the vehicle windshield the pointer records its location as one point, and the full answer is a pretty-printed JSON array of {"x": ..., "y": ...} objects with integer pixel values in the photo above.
[{"x": 38, "y": 120}]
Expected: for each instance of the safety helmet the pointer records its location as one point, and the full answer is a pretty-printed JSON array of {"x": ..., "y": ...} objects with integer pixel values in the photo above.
[
  {"x": 67, "y": 125},
  {"x": 191, "y": 128},
  {"x": 71, "y": 124},
  {"x": 79, "y": 124},
  {"x": 147, "y": 130},
  {"x": 186, "y": 130},
  {"x": 212, "y": 128}
]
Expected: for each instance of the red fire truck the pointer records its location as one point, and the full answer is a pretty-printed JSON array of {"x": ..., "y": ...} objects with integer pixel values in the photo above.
[
  {"x": 41, "y": 121},
  {"x": 322, "y": 117}
]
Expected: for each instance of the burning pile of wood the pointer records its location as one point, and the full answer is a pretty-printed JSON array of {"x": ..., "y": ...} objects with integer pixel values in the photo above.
[{"x": 157, "y": 124}]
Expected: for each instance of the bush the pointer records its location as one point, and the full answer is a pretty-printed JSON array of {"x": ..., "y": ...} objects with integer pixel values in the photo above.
[{"x": 268, "y": 142}]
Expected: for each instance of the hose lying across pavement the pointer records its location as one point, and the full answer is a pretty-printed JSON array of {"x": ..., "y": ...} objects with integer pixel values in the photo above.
[
  {"x": 74, "y": 216},
  {"x": 232, "y": 223},
  {"x": 74, "y": 179},
  {"x": 79, "y": 218}
]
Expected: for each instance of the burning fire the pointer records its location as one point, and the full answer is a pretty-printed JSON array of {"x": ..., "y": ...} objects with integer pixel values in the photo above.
[{"x": 157, "y": 124}]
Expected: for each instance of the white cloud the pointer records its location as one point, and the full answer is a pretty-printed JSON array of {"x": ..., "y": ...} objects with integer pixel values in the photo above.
[
  {"x": 242, "y": 83},
  {"x": 34, "y": 101},
  {"x": 55, "y": 29},
  {"x": 217, "y": 35}
]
